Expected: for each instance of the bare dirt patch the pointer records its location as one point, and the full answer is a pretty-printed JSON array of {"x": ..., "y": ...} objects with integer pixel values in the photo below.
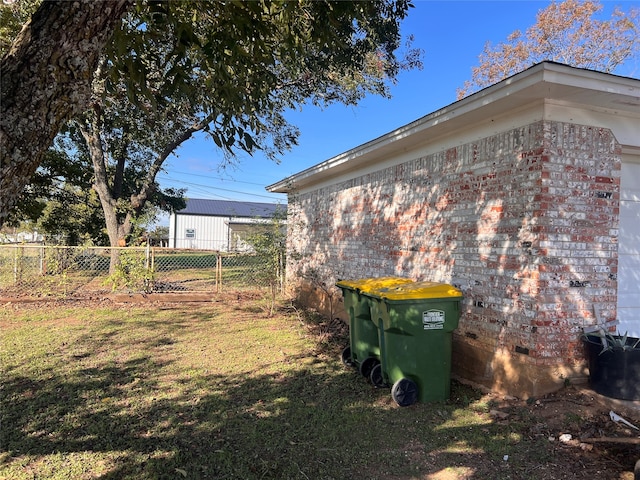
[{"x": 577, "y": 427}]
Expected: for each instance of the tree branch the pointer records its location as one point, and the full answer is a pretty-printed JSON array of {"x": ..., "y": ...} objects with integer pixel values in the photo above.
[{"x": 138, "y": 200}]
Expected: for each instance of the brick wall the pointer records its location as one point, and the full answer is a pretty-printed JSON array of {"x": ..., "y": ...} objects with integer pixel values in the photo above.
[{"x": 524, "y": 222}]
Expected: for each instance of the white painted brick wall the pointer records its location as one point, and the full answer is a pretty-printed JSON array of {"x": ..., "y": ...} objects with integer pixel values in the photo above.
[{"x": 525, "y": 223}]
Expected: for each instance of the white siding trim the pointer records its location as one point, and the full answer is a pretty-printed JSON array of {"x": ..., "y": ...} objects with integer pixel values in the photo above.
[{"x": 629, "y": 249}]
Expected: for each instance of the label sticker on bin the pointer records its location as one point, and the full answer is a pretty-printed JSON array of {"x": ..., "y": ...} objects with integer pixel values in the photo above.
[{"x": 433, "y": 319}]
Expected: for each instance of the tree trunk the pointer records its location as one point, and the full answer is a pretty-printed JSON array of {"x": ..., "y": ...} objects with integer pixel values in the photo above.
[
  {"x": 119, "y": 226},
  {"x": 91, "y": 134},
  {"x": 45, "y": 79}
]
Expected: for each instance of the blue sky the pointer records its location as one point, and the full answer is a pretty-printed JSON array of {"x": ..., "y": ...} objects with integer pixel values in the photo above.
[{"x": 452, "y": 35}]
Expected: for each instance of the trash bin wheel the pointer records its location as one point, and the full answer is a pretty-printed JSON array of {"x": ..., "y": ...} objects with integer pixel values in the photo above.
[
  {"x": 405, "y": 392},
  {"x": 376, "y": 377},
  {"x": 346, "y": 357},
  {"x": 367, "y": 365}
]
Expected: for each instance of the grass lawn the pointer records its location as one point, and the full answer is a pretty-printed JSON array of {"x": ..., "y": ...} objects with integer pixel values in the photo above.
[{"x": 222, "y": 391}]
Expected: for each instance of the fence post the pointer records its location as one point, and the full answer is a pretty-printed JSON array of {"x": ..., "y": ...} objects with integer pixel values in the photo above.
[
  {"x": 43, "y": 262},
  {"x": 281, "y": 262},
  {"x": 218, "y": 272},
  {"x": 15, "y": 265}
]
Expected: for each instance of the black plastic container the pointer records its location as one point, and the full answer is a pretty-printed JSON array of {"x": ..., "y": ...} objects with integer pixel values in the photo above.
[{"x": 614, "y": 372}]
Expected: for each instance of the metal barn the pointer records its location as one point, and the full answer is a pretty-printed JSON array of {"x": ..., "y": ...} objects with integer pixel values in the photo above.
[{"x": 217, "y": 224}]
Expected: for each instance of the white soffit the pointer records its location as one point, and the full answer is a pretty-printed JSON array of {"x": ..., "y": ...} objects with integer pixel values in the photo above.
[{"x": 548, "y": 90}]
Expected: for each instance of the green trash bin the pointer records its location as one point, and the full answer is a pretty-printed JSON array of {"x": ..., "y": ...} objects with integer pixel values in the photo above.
[
  {"x": 363, "y": 351},
  {"x": 415, "y": 322}
]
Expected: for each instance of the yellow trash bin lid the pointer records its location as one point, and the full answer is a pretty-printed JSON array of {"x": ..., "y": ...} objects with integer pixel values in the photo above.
[
  {"x": 417, "y": 291},
  {"x": 371, "y": 284}
]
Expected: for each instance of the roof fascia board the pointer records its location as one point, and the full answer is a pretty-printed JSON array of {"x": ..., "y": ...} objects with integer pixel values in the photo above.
[{"x": 541, "y": 84}]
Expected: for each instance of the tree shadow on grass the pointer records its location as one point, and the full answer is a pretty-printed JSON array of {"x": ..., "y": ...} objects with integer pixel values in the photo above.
[{"x": 314, "y": 419}]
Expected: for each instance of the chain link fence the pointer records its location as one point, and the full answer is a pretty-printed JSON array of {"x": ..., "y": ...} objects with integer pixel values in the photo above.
[{"x": 80, "y": 272}]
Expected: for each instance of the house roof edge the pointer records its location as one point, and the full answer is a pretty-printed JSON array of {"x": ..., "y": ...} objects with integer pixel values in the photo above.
[{"x": 536, "y": 84}]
